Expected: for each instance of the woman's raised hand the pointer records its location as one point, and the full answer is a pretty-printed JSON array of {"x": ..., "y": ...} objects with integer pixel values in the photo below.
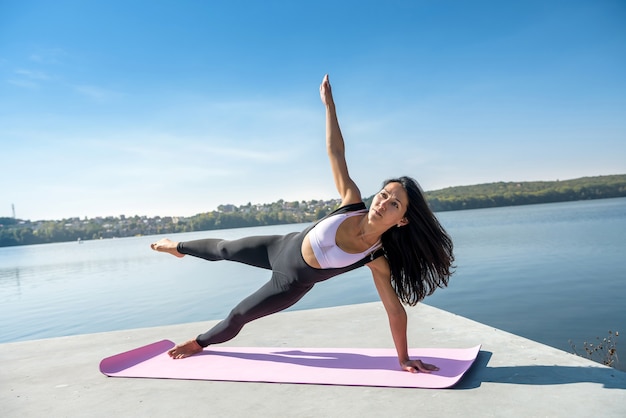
[{"x": 325, "y": 92}]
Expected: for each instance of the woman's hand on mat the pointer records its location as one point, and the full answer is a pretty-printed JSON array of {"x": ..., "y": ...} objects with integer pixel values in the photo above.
[
  {"x": 187, "y": 349},
  {"x": 417, "y": 366}
]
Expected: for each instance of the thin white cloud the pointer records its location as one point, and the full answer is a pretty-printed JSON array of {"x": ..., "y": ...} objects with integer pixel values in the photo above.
[
  {"x": 23, "y": 83},
  {"x": 249, "y": 154},
  {"x": 153, "y": 146},
  {"x": 32, "y": 74},
  {"x": 47, "y": 56},
  {"x": 33, "y": 78},
  {"x": 96, "y": 93},
  {"x": 30, "y": 79}
]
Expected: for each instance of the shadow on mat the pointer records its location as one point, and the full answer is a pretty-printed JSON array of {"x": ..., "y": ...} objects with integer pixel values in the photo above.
[
  {"x": 334, "y": 360},
  {"x": 538, "y": 375}
]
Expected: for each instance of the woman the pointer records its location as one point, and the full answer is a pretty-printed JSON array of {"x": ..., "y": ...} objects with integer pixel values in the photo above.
[{"x": 398, "y": 238}]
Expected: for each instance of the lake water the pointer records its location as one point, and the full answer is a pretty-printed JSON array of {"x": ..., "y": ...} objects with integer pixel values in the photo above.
[{"x": 552, "y": 273}]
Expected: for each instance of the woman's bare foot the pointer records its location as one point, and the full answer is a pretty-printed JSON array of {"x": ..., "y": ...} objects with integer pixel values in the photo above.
[
  {"x": 166, "y": 246},
  {"x": 187, "y": 349}
]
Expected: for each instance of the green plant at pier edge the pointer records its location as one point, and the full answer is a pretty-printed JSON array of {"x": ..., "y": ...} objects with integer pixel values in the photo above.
[{"x": 603, "y": 351}]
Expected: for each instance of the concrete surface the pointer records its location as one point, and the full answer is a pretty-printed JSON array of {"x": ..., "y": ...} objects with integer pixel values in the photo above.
[{"x": 512, "y": 377}]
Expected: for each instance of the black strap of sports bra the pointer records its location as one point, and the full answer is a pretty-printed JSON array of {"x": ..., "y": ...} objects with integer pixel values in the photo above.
[
  {"x": 353, "y": 207},
  {"x": 375, "y": 254}
]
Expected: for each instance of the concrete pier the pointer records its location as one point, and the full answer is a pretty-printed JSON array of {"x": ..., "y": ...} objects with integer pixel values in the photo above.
[{"x": 512, "y": 377}]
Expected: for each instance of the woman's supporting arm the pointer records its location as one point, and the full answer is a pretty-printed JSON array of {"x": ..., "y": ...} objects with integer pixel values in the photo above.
[{"x": 397, "y": 317}]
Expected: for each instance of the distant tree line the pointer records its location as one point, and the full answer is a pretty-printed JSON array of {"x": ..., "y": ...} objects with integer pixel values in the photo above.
[
  {"x": 18, "y": 232},
  {"x": 526, "y": 193}
]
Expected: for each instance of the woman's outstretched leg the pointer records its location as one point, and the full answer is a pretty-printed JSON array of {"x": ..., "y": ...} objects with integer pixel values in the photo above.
[
  {"x": 254, "y": 251},
  {"x": 276, "y": 295}
]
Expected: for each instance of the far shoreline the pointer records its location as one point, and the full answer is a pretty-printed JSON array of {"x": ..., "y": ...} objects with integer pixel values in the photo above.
[{"x": 16, "y": 232}]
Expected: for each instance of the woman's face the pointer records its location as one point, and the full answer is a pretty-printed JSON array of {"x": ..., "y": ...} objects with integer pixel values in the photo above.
[{"x": 389, "y": 206}]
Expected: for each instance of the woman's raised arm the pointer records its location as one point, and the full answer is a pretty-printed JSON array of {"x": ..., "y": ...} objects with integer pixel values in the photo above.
[{"x": 335, "y": 147}]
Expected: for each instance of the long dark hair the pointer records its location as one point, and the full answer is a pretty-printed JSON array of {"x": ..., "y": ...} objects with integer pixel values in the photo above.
[{"x": 419, "y": 253}]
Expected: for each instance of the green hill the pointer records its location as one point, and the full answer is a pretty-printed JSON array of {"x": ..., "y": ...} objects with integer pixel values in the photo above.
[{"x": 526, "y": 193}]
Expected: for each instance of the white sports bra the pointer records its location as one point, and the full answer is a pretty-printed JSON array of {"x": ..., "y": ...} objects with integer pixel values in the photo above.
[{"x": 327, "y": 252}]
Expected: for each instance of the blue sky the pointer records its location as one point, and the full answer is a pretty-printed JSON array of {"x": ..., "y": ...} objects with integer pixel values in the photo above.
[{"x": 175, "y": 107}]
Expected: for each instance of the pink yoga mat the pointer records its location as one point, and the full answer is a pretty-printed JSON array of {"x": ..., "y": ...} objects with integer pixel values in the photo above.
[{"x": 326, "y": 366}]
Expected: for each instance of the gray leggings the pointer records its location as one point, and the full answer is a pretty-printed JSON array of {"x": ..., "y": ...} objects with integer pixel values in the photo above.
[
  {"x": 279, "y": 293},
  {"x": 291, "y": 277}
]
